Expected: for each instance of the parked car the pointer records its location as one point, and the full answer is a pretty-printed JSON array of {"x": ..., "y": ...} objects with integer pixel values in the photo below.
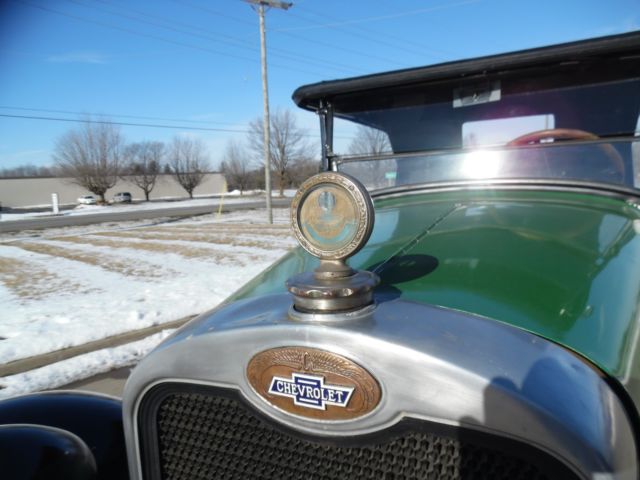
[
  {"x": 485, "y": 326},
  {"x": 122, "y": 197},
  {"x": 87, "y": 200}
]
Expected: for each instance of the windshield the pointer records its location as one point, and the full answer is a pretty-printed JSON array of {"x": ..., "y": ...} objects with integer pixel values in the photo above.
[{"x": 534, "y": 128}]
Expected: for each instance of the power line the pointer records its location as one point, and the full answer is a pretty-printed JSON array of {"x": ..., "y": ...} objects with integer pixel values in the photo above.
[
  {"x": 220, "y": 14},
  {"x": 126, "y": 124},
  {"x": 122, "y": 29},
  {"x": 140, "y": 117},
  {"x": 375, "y": 35},
  {"x": 233, "y": 41},
  {"x": 400, "y": 44},
  {"x": 380, "y": 17},
  {"x": 162, "y": 39},
  {"x": 232, "y": 38},
  {"x": 148, "y": 125},
  {"x": 340, "y": 47},
  {"x": 288, "y": 34}
]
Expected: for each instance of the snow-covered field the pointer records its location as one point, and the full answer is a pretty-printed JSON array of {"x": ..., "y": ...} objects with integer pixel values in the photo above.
[
  {"x": 80, "y": 367},
  {"x": 68, "y": 286}
]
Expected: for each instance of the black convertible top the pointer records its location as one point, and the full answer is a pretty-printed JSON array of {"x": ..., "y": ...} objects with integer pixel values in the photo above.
[{"x": 627, "y": 44}]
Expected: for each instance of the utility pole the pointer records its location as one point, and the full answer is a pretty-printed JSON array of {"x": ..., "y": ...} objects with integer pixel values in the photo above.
[{"x": 260, "y": 4}]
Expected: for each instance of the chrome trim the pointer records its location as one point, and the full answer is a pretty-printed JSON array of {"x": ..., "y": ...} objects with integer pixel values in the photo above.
[
  {"x": 353, "y": 190},
  {"x": 606, "y": 190},
  {"x": 136, "y": 433},
  {"x": 339, "y": 159},
  {"x": 320, "y": 317},
  {"x": 432, "y": 363},
  {"x": 312, "y": 293}
]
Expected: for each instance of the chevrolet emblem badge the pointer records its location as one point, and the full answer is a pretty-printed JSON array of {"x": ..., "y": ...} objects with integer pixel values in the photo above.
[
  {"x": 313, "y": 383},
  {"x": 310, "y": 391}
]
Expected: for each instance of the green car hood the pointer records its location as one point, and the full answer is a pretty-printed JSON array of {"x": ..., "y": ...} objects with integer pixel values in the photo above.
[{"x": 563, "y": 265}]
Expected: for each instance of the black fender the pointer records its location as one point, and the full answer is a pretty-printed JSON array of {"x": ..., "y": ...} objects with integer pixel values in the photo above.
[
  {"x": 95, "y": 419},
  {"x": 34, "y": 452}
]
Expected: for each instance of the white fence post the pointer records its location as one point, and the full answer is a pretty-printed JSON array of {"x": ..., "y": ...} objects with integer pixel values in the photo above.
[{"x": 54, "y": 203}]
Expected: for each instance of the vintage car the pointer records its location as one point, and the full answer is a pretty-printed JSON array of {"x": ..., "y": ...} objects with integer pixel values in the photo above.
[
  {"x": 122, "y": 197},
  {"x": 485, "y": 325},
  {"x": 87, "y": 200}
]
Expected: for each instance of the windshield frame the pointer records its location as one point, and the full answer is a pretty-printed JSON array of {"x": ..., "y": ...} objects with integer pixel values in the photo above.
[
  {"x": 607, "y": 188},
  {"x": 620, "y": 53}
]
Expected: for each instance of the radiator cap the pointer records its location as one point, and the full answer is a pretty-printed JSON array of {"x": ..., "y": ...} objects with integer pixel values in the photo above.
[{"x": 332, "y": 218}]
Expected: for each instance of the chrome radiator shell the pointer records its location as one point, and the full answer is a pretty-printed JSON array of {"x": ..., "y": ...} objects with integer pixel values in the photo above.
[{"x": 434, "y": 364}]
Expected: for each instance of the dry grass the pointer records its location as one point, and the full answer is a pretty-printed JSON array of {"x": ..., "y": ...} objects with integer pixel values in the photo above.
[
  {"x": 254, "y": 229},
  {"x": 242, "y": 239},
  {"x": 122, "y": 267},
  {"x": 30, "y": 281},
  {"x": 163, "y": 248},
  {"x": 259, "y": 230},
  {"x": 212, "y": 242}
]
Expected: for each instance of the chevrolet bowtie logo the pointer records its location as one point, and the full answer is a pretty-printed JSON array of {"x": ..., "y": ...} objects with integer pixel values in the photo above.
[{"x": 310, "y": 391}]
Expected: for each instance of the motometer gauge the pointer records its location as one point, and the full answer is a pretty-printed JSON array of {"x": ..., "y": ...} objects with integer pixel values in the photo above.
[{"x": 332, "y": 218}]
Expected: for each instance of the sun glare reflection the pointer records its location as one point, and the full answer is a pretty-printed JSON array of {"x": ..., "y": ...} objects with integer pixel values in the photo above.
[{"x": 482, "y": 164}]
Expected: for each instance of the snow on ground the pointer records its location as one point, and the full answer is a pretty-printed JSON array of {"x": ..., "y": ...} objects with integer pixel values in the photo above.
[
  {"x": 230, "y": 198},
  {"x": 83, "y": 366},
  {"x": 68, "y": 286},
  {"x": 285, "y": 193}
]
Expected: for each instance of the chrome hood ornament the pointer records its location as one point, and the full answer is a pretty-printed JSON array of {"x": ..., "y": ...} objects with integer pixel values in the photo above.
[{"x": 332, "y": 217}]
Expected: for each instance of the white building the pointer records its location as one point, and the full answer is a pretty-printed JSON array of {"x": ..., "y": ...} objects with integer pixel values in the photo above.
[{"x": 31, "y": 192}]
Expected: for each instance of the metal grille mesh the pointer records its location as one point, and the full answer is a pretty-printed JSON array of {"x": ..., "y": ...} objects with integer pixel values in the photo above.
[{"x": 210, "y": 437}]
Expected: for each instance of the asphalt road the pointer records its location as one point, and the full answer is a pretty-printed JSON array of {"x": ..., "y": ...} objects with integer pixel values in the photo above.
[
  {"x": 67, "y": 221},
  {"x": 110, "y": 383}
]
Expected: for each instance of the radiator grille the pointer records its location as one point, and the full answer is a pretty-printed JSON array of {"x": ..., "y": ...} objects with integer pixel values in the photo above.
[{"x": 206, "y": 436}]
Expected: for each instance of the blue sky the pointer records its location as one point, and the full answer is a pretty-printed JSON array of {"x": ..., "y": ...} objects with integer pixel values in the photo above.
[{"x": 196, "y": 63}]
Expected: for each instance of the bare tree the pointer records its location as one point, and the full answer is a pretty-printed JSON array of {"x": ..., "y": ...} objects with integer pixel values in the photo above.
[
  {"x": 303, "y": 169},
  {"x": 143, "y": 164},
  {"x": 28, "y": 170},
  {"x": 91, "y": 156},
  {"x": 235, "y": 166},
  {"x": 189, "y": 162},
  {"x": 371, "y": 142},
  {"x": 288, "y": 144}
]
